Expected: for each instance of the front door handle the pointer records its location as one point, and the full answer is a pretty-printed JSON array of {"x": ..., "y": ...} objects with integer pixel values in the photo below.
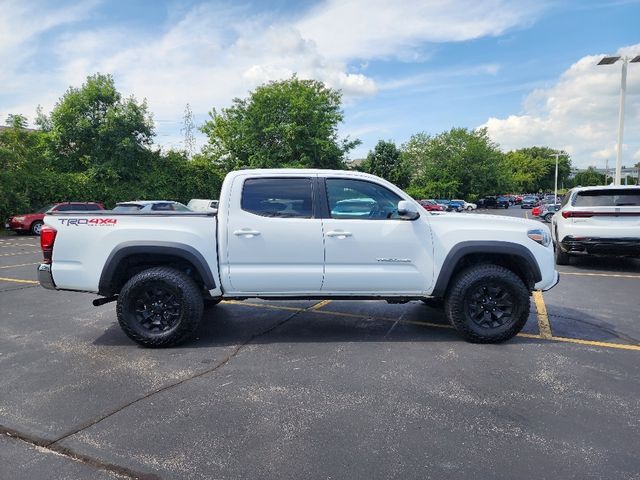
[
  {"x": 339, "y": 234},
  {"x": 246, "y": 232}
]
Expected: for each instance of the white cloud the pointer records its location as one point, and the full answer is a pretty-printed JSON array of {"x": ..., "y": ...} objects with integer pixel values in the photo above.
[
  {"x": 579, "y": 113},
  {"x": 209, "y": 54},
  {"x": 380, "y": 28}
]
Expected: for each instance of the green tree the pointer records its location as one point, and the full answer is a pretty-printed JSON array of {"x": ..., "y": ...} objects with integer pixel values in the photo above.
[
  {"x": 289, "y": 123},
  {"x": 94, "y": 127},
  {"x": 386, "y": 161},
  {"x": 544, "y": 157},
  {"x": 588, "y": 177},
  {"x": 526, "y": 171},
  {"x": 458, "y": 163}
]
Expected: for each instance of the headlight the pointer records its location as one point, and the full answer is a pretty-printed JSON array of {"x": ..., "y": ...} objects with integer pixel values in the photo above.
[
  {"x": 18, "y": 219},
  {"x": 539, "y": 235}
]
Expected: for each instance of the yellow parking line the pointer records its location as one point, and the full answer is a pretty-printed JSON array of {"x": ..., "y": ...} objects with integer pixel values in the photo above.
[
  {"x": 526, "y": 215},
  {"x": 594, "y": 343},
  {"x": 263, "y": 305},
  {"x": 320, "y": 304},
  {"x": 616, "y": 275},
  {"x": 19, "y": 265},
  {"x": 543, "y": 318},
  {"x": 17, "y": 280}
]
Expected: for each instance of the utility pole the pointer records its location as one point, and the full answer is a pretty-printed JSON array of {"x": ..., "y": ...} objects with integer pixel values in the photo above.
[
  {"x": 623, "y": 93},
  {"x": 555, "y": 193},
  {"x": 606, "y": 171}
]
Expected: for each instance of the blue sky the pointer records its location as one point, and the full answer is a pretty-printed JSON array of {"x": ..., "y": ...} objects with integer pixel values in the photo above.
[{"x": 524, "y": 69}]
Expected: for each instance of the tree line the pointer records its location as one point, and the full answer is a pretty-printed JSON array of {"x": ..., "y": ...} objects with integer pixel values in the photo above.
[{"x": 96, "y": 145}]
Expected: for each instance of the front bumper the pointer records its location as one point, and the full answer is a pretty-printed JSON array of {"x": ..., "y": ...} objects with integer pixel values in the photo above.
[
  {"x": 555, "y": 282},
  {"x": 623, "y": 246},
  {"x": 15, "y": 226},
  {"x": 45, "y": 277}
]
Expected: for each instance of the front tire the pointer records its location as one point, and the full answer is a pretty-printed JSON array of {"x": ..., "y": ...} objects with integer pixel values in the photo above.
[
  {"x": 547, "y": 217},
  {"x": 36, "y": 228},
  {"x": 159, "y": 307},
  {"x": 487, "y": 304}
]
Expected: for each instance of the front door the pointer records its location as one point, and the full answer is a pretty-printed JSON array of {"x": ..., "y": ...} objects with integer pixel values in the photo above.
[
  {"x": 369, "y": 249},
  {"x": 274, "y": 241}
]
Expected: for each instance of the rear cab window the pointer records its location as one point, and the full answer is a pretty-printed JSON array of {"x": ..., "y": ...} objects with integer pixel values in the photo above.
[
  {"x": 608, "y": 197},
  {"x": 278, "y": 197}
]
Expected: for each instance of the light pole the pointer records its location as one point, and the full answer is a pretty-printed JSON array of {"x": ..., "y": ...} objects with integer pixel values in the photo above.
[
  {"x": 555, "y": 192},
  {"x": 623, "y": 91}
]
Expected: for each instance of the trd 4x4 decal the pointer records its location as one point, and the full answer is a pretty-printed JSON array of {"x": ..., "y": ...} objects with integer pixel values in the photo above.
[{"x": 92, "y": 222}]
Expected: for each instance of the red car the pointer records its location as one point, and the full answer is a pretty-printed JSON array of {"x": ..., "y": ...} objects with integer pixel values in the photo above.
[
  {"x": 430, "y": 206},
  {"x": 32, "y": 222}
]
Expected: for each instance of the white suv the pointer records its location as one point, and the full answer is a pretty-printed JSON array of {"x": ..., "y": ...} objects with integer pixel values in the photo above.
[{"x": 597, "y": 220}]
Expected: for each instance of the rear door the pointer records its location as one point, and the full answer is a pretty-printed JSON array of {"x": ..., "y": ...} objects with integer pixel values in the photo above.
[
  {"x": 274, "y": 239},
  {"x": 369, "y": 249}
]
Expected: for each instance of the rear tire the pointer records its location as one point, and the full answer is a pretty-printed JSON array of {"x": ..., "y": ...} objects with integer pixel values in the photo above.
[
  {"x": 159, "y": 307},
  {"x": 487, "y": 304}
]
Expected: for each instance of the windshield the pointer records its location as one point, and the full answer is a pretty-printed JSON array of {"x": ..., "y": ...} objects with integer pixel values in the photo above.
[{"x": 45, "y": 209}]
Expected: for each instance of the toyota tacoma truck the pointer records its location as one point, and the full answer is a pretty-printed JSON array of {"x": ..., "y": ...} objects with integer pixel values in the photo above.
[{"x": 285, "y": 234}]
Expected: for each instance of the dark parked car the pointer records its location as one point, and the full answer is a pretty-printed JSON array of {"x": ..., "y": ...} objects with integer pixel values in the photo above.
[
  {"x": 493, "y": 202},
  {"x": 32, "y": 222}
]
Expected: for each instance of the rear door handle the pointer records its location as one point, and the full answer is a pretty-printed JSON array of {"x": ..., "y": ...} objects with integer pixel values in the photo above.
[
  {"x": 339, "y": 234},
  {"x": 246, "y": 232}
]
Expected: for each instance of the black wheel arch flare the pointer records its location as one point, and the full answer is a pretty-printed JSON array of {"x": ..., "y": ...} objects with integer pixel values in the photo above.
[
  {"x": 508, "y": 252},
  {"x": 126, "y": 250}
]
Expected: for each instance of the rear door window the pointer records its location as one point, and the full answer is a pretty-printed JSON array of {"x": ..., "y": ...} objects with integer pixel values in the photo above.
[
  {"x": 608, "y": 198},
  {"x": 278, "y": 197}
]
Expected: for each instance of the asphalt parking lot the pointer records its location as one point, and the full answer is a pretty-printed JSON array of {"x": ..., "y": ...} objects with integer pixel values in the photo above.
[{"x": 335, "y": 389}]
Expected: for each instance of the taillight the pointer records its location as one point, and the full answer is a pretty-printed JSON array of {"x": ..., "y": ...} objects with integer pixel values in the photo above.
[
  {"x": 577, "y": 214},
  {"x": 47, "y": 239}
]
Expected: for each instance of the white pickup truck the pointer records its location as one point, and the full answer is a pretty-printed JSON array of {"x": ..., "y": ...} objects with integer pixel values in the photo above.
[{"x": 300, "y": 234}]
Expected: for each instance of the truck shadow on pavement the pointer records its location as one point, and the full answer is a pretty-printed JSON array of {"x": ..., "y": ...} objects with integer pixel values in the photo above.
[{"x": 229, "y": 325}]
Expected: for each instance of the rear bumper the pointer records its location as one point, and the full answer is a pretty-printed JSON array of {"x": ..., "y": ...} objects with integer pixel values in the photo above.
[
  {"x": 622, "y": 246},
  {"x": 45, "y": 277}
]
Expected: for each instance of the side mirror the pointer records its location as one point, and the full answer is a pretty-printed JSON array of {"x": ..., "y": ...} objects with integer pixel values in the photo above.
[{"x": 407, "y": 210}]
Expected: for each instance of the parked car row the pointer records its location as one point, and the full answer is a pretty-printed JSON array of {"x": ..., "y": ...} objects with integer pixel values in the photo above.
[
  {"x": 443, "y": 205},
  {"x": 31, "y": 223},
  {"x": 494, "y": 202}
]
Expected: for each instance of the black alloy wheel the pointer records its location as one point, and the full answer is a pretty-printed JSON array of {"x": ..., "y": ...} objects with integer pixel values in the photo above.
[
  {"x": 490, "y": 306},
  {"x": 157, "y": 309}
]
